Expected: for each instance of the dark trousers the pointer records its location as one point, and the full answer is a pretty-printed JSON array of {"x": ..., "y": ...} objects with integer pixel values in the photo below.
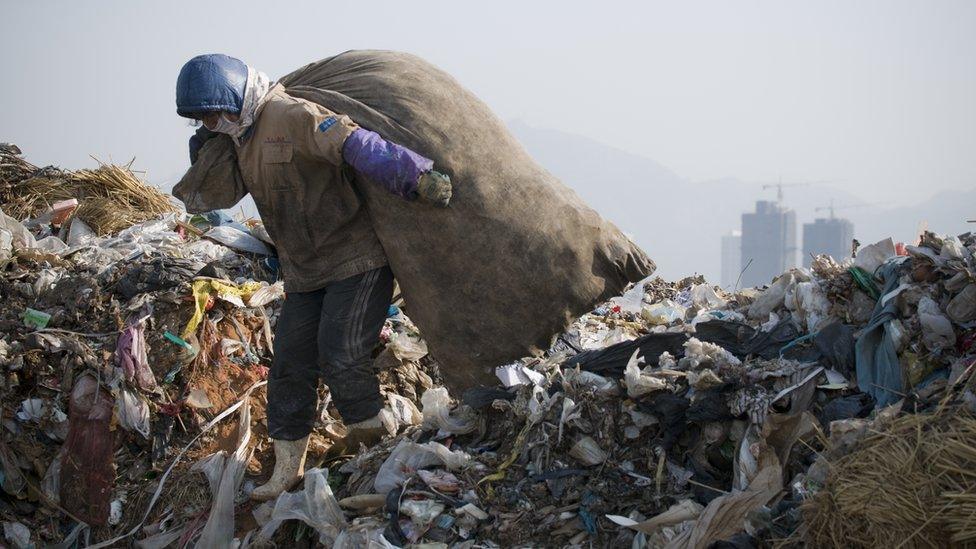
[{"x": 328, "y": 333}]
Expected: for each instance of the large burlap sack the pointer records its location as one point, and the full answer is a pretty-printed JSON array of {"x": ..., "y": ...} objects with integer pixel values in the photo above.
[{"x": 517, "y": 255}]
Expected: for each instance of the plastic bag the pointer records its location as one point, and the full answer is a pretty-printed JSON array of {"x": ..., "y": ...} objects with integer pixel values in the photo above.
[
  {"x": 810, "y": 305},
  {"x": 409, "y": 456},
  {"x": 132, "y": 411},
  {"x": 937, "y": 330},
  {"x": 219, "y": 530},
  {"x": 962, "y": 308},
  {"x": 237, "y": 239},
  {"x": 80, "y": 234},
  {"x": 404, "y": 410},
  {"x": 637, "y": 383},
  {"x": 6, "y": 244},
  {"x": 633, "y": 299},
  {"x": 315, "y": 505},
  {"x": 17, "y": 535},
  {"x": 131, "y": 356},
  {"x": 20, "y": 237},
  {"x": 266, "y": 294},
  {"x": 663, "y": 313},
  {"x": 436, "y": 405},
  {"x": 46, "y": 280},
  {"x": 408, "y": 347},
  {"x": 365, "y": 533},
  {"x": 872, "y": 256},
  {"x": 51, "y": 484},
  {"x": 703, "y": 296},
  {"x": 772, "y": 297}
]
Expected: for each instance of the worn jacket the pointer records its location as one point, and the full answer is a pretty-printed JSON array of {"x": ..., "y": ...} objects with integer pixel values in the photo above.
[{"x": 291, "y": 163}]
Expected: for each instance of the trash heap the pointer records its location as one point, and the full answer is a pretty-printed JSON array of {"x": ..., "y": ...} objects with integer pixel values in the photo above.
[{"x": 832, "y": 407}]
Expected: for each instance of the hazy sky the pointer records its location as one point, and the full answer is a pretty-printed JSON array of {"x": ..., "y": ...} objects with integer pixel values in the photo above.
[{"x": 879, "y": 96}]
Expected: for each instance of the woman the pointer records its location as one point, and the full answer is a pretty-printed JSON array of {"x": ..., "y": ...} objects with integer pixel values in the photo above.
[{"x": 291, "y": 153}]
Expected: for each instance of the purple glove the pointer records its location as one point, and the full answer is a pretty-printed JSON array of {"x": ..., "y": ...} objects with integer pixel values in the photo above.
[{"x": 396, "y": 168}]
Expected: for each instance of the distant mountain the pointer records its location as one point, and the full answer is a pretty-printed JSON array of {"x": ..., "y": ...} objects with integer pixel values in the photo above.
[{"x": 678, "y": 222}]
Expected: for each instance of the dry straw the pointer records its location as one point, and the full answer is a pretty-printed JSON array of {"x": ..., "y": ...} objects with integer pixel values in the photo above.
[
  {"x": 910, "y": 484},
  {"x": 110, "y": 197}
]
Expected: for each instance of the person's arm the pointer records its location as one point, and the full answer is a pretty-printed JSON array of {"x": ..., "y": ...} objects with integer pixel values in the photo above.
[
  {"x": 396, "y": 168},
  {"x": 213, "y": 181}
]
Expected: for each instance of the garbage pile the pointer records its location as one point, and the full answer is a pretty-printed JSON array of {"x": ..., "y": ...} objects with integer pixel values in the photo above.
[{"x": 834, "y": 406}]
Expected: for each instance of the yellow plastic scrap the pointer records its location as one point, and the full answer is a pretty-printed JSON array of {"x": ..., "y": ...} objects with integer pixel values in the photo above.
[
  {"x": 516, "y": 450},
  {"x": 228, "y": 291}
]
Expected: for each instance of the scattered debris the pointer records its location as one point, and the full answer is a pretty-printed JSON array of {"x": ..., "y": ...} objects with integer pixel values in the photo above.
[{"x": 674, "y": 415}]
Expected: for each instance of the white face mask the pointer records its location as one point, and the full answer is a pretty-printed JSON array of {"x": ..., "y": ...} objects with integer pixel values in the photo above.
[{"x": 225, "y": 126}]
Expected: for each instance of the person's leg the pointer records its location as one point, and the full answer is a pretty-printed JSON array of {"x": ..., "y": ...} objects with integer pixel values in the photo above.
[
  {"x": 294, "y": 378},
  {"x": 292, "y": 390},
  {"x": 353, "y": 312}
]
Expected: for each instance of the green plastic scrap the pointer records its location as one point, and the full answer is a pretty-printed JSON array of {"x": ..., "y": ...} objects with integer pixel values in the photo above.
[
  {"x": 865, "y": 281},
  {"x": 178, "y": 340},
  {"x": 36, "y": 319}
]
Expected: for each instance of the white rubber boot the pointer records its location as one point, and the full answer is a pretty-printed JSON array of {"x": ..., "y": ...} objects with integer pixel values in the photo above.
[
  {"x": 289, "y": 468},
  {"x": 367, "y": 432}
]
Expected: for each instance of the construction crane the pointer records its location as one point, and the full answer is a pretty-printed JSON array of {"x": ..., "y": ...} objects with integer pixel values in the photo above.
[
  {"x": 779, "y": 187},
  {"x": 831, "y": 207}
]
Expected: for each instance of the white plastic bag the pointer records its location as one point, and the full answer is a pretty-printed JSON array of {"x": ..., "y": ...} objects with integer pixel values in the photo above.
[
  {"x": 809, "y": 304},
  {"x": 80, "y": 234},
  {"x": 17, "y": 535},
  {"x": 237, "y": 239},
  {"x": 20, "y": 237},
  {"x": 637, "y": 383},
  {"x": 408, "y": 347},
  {"x": 219, "y": 530},
  {"x": 266, "y": 294},
  {"x": 663, "y": 313},
  {"x": 633, "y": 299},
  {"x": 703, "y": 296},
  {"x": 315, "y": 505},
  {"x": 937, "y": 332},
  {"x": 772, "y": 297},
  {"x": 405, "y": 411},
  {"x": 6, "y": 244},
  {"x": 409, "y": 456},
  {"x": 436, "y": 405},
  {"x": 132, "y": 411}
]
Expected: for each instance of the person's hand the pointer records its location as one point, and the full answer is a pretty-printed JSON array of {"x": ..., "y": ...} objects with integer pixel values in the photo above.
[{"x": 435, "y": 188}]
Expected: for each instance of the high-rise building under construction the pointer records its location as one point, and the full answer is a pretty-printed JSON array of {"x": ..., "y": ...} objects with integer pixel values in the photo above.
[
  {"x": 831, "y": 236},
  {"x": 768, "y": 243}
]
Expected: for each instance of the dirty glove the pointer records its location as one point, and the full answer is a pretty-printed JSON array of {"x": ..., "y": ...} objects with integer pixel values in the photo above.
[
  {"x": 201, "y": 136},
  {"x": 435, "y": 188}
]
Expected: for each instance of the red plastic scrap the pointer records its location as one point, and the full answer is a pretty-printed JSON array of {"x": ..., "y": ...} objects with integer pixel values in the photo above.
[
  {"x": 88, "y": 469},
  {"x": 173, "y": 409},
  {"x": 966, "y": 341}
]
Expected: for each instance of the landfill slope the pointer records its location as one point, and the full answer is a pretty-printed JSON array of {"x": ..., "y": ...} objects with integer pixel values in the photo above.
[{"x": 832, "y": 407}]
